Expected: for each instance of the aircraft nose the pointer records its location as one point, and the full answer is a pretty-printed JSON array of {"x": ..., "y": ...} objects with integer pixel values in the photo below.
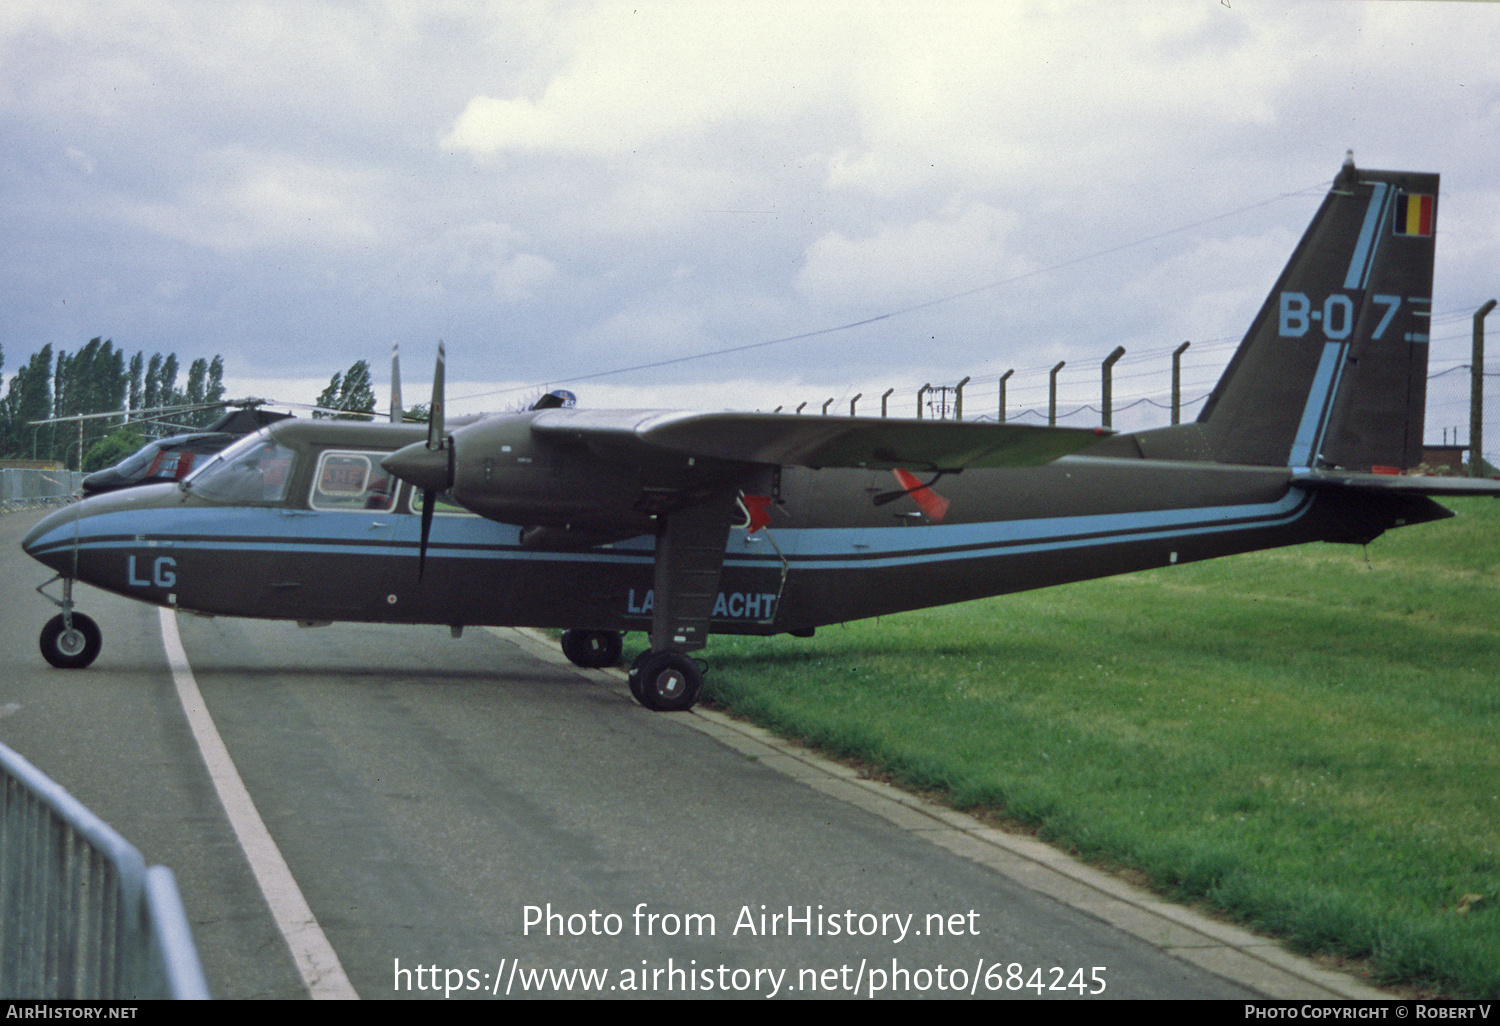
[
  {"x": 424, "y": 468},
  {"x": 51, "y": 535}
]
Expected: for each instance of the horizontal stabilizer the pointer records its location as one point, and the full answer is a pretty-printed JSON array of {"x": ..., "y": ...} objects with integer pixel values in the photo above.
[
  {"x": 851, "y": 442},
  {"x": 1397, "y": 483}
]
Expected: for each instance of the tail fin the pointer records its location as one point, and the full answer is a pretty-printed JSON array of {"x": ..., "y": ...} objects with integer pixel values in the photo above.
[{"x": 1333, "y": 372}]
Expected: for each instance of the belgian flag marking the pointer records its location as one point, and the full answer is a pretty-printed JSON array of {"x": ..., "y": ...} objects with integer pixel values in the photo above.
[{"x": 1413, "y": 214}]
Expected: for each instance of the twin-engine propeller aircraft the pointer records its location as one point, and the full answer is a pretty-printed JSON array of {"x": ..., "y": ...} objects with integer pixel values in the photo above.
[{"x": 686, "y": 524}]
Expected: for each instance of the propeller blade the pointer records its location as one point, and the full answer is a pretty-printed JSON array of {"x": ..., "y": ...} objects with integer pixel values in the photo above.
[
  {"x": 397, "y": 414},
  {"x": 427, "y": 466},
  {"x": 435, "y": 427},
  {"x": 428, "y": 498}
]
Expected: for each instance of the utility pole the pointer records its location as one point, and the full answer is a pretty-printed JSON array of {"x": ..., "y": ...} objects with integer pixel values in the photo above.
[{"x": 939, "y": 405}]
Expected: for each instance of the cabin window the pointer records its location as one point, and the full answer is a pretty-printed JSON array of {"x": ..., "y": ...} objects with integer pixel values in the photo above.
[
  {"x": 253, "y": 472},
  {"x": 354, "y": 482}
]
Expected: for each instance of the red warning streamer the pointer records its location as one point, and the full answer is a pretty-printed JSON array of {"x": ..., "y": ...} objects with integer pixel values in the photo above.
[{"x": 928, "y": 501}]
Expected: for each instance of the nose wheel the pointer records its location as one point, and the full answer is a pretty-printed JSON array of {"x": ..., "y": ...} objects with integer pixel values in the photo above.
[
  {"x": 70, "y": 641},
  {"x": 71, "y": 646}
]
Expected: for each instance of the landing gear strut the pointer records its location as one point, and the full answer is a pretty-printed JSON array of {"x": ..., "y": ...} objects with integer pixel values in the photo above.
[
  {"x": 70, "y": 641},
  {"x": 592, "y": 650},
  {"x": 685, "y": 579}
]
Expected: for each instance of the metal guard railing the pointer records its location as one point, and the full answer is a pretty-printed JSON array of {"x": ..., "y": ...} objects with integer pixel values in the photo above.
[{"x": 81, "y": 916}]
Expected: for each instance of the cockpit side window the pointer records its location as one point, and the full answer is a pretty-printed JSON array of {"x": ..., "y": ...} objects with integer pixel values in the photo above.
[
  {"x": 353, "y": 482},
  {"x": 254, "y": 472},
  {"x": 443, "y": 506}
]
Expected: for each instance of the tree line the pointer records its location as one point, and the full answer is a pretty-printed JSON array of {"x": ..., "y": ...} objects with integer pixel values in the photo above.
[{"x": 98, "y": 379}]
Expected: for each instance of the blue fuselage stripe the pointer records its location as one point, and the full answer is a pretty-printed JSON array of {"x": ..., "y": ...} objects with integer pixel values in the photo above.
[{"x": 805, "y": 548}]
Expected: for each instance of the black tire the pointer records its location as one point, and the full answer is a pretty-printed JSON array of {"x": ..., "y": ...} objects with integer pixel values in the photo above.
[
  {"x": 633, "y": 678},
  {"x": 592, "y": 650},
  {"x": 71, "y": 649},
  {"x": 665, "y": 681}
]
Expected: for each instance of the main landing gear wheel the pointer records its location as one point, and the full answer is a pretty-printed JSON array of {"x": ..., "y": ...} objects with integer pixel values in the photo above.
[
  {"x": 71, "y": 648},
  {"x": 665, "y": 681},
  {"x": 592, "y": 650}
]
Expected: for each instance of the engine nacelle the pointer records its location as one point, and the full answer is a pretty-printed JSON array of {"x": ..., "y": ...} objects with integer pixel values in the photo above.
[{"x": 504, "y": 472}]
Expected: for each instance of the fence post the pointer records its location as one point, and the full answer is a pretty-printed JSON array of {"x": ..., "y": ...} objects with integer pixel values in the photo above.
[
  {"x": 1476, "y": 394},
  {"x": 1108, "y": 398},
  {"x": 883, "y": 400},
  {"x": 921, "y": 394},
  {"x": 1003, "y": 378},
  {"x": 1052, "y": 394},
  {"x": 1177, "y": 382}
]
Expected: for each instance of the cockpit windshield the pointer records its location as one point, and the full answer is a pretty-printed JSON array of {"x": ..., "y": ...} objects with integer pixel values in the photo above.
[
  {"x": 254, "y": 471},
  {"x": 138, "y": 461}
]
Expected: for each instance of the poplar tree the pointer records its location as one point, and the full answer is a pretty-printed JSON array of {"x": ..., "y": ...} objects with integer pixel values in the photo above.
[
  {"x": 351, "y": 393},
  {"x": 137, "y": 374}
]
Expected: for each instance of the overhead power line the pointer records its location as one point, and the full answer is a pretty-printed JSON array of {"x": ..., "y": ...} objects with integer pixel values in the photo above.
[{"x": 925, "y": 305}]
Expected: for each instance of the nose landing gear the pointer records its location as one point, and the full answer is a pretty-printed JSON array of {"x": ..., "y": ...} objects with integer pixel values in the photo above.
[{"x": 70, "y": 641}]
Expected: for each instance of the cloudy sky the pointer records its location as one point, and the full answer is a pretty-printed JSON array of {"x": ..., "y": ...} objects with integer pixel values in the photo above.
[{"x": 847, "y": 198}]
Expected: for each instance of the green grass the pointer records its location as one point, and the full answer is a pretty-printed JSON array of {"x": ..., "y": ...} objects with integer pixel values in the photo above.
[{"x": 1302, "y": 740}]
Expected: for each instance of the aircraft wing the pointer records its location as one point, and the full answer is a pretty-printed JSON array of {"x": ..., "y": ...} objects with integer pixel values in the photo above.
[
  {"x": 818, "y": 441},
  {"x": 1410, "y": 484}
]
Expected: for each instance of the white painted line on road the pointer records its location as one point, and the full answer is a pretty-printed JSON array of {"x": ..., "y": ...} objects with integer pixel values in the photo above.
[{"x": 315, "y": 958}]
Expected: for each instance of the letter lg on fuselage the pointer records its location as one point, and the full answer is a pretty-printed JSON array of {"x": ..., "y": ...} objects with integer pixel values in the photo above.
[{"x": 163, "y": 573}]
